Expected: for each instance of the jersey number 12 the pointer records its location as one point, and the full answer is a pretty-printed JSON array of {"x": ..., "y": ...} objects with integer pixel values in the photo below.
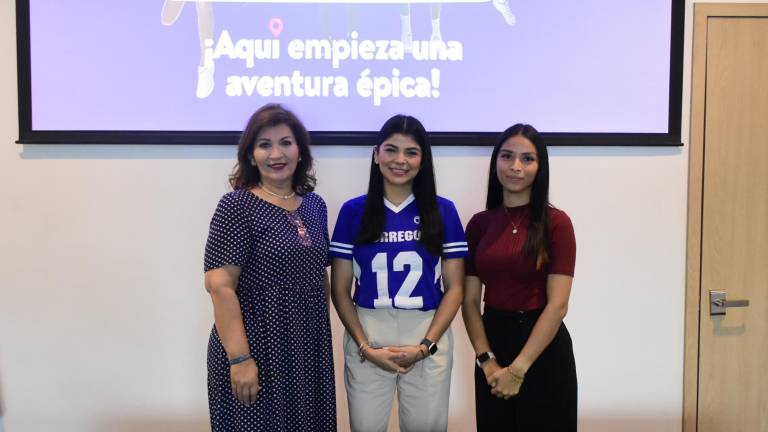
[{"x": 403, "y": 299}]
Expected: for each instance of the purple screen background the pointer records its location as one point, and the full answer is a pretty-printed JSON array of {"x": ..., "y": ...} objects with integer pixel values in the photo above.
[{"x": 565, "y": 66}]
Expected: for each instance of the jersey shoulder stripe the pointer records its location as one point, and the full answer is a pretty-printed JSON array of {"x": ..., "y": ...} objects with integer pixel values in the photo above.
[
  {"x": 347, "y": 227},
  {"x": 454, "y": 241}
]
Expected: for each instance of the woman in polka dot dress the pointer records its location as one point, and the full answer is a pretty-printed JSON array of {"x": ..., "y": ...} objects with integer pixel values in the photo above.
[{"x": 270, "y": 365}]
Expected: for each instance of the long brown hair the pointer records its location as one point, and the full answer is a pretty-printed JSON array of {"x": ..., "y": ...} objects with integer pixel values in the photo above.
[
  {"x": 537, "y": 243},
  {"x": 245, "y": 175}
]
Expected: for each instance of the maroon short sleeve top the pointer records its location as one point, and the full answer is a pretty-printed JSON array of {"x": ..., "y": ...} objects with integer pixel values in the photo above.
[{"x": 496, "y": 256}]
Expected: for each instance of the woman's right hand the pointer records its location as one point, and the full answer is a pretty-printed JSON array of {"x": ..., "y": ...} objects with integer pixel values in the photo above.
[
  {"x": 245, "y": 381},
  {"x": 385, "y": 359}
]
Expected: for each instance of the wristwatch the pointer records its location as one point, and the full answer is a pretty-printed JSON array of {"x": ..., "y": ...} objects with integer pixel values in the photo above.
[
  {"x": 484, "y": 357},
  {"x": 431, "y": 346}
]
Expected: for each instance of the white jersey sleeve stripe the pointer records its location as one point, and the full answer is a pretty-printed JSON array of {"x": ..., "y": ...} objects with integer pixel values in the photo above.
[
  {"x": 445, "y": 245},
  {"x": 341, "y": 251},
  {"x": 348, "y": 246},
  {"x": 464, "y": 249}
]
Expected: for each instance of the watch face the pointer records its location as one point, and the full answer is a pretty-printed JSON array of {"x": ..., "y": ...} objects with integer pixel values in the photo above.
[
  {"x": 484, "y": 357},
  {"x": 433, "y": 348}
]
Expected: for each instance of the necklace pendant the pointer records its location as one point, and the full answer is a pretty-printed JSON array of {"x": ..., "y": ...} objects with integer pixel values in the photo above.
[{"x": 514, "y": 230}]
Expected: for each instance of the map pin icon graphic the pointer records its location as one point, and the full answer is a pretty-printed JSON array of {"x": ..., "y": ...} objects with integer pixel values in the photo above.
[{"x": 276, "y": 26}]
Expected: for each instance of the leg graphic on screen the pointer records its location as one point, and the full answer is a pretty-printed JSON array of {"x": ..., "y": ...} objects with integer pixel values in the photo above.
[
  {"x": 351, "y": 18},
  {"x": 205, "y": 69},
  {"x": 406, "y": 34},
  {"x": 171, "y": 11},
  {"x": 327, "y": 19},
  {"x": 434, "y": 13}
]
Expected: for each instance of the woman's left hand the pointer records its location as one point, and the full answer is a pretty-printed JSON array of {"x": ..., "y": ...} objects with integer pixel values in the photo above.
[
  {"x": 506, "y": 382},
  {"x": 410, "y": 355}
]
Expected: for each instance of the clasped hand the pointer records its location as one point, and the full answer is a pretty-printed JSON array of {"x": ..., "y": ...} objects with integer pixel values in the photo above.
[
  {"x": 396, "y": 359},
  {"x": 505, "y": 382}
]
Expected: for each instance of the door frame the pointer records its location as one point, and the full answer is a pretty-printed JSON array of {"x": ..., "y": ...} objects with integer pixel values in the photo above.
[{"x": 701, "y": 14}]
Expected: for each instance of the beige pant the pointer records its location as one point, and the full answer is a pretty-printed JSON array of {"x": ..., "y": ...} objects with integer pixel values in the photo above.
[{"x": 422, "y": 393}]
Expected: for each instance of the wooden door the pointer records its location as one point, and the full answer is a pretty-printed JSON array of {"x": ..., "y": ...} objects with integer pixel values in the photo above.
[{"x": 732, "y": 208}]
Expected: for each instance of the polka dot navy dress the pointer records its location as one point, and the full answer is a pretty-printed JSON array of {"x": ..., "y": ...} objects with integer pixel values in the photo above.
[{"x": 282, "y": 299}]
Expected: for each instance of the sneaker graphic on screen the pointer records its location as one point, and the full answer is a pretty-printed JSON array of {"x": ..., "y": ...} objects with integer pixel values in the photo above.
[
  {"x": 503, "y": 7},
  {"x": 205, "y": 81}
]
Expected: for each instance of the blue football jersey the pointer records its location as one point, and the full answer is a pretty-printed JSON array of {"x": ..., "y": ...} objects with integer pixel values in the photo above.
[{"x": 397, "y": 271}]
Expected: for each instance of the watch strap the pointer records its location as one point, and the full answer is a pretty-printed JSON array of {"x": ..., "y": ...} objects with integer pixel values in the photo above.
[
  {"x": 484, "y": 357},
  {"x": 431, "y": 346}
]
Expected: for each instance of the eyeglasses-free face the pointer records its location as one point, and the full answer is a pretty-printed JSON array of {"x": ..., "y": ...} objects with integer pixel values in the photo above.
[
  {"x": 517, "y": 165},
  {"x": 276, "y": 154},
  {"x": 399, "y": 159}
]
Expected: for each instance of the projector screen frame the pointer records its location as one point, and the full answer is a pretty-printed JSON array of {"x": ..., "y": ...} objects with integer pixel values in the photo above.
[{"x": 27, "y": 135}]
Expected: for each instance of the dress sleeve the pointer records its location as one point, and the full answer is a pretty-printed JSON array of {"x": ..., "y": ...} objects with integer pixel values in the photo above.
[
  {"x": 229, "y": 238},
  {"x": 473, "y": 238},
  {"x": 324, "y": 222},
  {"x": 562, "y": 244},
  {"x": 454, "y": 241},
  {"x": 344, "y": 234}
]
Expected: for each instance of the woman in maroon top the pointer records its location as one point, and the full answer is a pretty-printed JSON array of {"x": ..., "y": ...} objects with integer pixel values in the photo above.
[{"x": 523, "y": 250}]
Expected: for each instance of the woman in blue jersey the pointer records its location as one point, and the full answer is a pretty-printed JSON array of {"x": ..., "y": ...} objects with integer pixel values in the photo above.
[{"x": 404, "y": 246}]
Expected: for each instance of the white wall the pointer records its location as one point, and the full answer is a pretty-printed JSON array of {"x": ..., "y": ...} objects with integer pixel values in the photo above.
[{"x": 104, "y": 321}]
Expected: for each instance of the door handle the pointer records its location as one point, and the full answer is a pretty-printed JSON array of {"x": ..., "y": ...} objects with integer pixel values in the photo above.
[{"x": 718, "y": 303}]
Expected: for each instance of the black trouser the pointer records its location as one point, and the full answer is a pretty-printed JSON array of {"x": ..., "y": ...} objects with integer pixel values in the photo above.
[{"x": 548, "y": 396}]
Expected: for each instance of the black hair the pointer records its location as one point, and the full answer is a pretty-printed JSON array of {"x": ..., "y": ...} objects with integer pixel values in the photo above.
[{"x": 424, "y": 190}]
